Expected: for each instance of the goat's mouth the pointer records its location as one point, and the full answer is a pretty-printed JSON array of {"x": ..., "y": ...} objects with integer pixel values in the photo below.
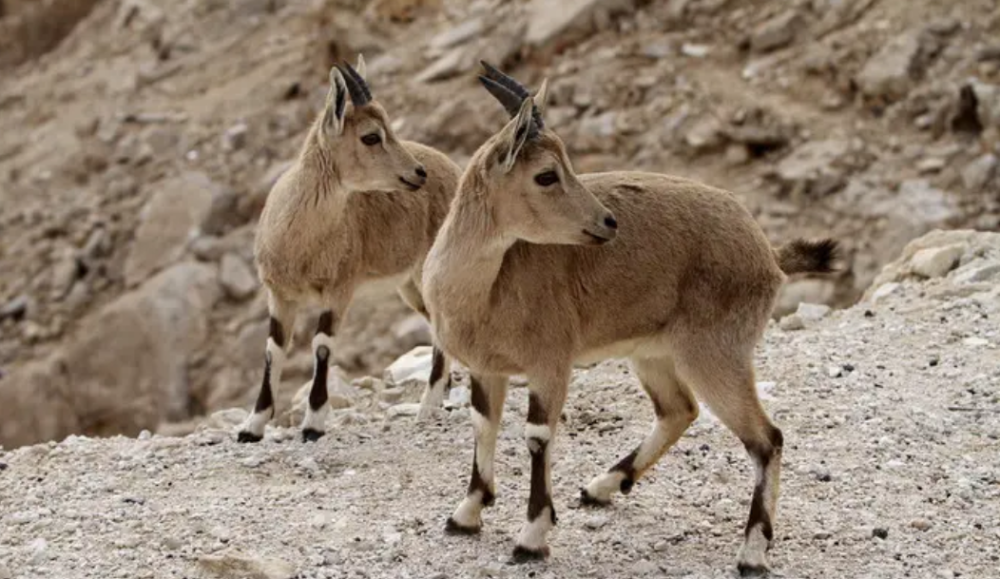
[
  {"x": 595, "y": 239},
  {"x": 410, "y": 186}
]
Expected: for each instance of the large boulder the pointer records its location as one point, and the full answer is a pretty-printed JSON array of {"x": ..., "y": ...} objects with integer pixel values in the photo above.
[
  {"x": 174, "y": 213},
  {"x": 124, "y": 370}
]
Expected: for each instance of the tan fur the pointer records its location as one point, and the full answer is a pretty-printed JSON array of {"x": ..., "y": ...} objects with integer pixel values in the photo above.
[
  {"x": 347, "y": 212},
  {"x": 678, "y": 277}
]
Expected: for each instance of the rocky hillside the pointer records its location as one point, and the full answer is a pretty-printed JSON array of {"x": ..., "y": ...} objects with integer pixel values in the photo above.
[
  {"x": 890, "y": 411},
  {"x": 138, "y": 143}
]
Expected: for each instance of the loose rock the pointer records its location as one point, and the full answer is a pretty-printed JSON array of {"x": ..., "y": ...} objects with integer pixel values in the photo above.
[{"x": 236, "y": 278}]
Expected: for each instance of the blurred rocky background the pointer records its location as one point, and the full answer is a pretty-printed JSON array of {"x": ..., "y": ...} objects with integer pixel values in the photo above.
[{"x": 139, "y": 139}]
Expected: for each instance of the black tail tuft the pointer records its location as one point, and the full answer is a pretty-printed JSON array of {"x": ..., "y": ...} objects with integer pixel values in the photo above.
[{"x": 803, "y": 256}]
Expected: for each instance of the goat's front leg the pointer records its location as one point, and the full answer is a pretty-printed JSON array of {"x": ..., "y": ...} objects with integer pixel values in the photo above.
[
  {"x": 282, "y": 318},
  {"x": 488, "y": 394},
  {"x": 545, "y": 404},
  {"x": 314, "y": 422}
]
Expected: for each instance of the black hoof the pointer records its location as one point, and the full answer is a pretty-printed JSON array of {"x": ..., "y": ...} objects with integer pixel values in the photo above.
[
  {"x": 245, "y": 436},
  {"x": 526, "y": 555},
  {"x": 589, "y": 500},
  {"x": 452, "y": 527},
  {"x": 311, "y": 435},
  {"x": 748, "y": 570},
  {"x": 626, "y": 486}
]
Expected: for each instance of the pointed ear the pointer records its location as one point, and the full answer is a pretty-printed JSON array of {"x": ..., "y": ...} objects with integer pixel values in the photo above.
[
  {"x": 542, "y": 96},
  {"x": 336, "y": 104},
  {"x": 361, "y": 68},
  {"x": 516, "y": 134}
]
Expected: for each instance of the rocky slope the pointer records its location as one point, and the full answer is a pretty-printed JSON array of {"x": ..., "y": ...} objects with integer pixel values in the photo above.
[
  {"x": 891, "y": 415},
  {"x": 138, "y": 143}
]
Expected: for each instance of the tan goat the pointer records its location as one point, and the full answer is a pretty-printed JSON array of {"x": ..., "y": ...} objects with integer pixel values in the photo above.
[
  {"x": 524, "y": 278},
  {"x": 357, "y": 205}
]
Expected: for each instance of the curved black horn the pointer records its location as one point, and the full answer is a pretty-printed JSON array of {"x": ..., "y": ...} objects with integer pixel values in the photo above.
[
  {"x": 356, "y": 86},
  {"x": 509, "y": 100},
  {"x": 498, "y": 83}
]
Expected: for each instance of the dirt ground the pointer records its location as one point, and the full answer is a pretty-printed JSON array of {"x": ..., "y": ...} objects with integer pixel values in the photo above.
[{"x": 889, "y": 411}]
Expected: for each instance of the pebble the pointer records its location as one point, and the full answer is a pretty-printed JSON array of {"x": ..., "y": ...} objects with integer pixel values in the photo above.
[
  {"x": 15, "y": 309},
  {"x": 812, "y": 312},
  {"x": 252, "y": 461},
  {"x": 822, "y": 535},
  {"x": 39, "y": 551},
  {"x": 976, "y": 341},
  {"x": 236, "y": 278},
  {"x": 880, "y": 533},
  {"x": 791, "y": 323},
  {"x": 822, "y": 474},
  {"x": 310, "y": 465},
  {"x": 596, "y": 522},
  {"x": 401, "y": 410},
  {"x": 834, "y": 371},
  {"x": 936, "y": 261},
  {"x": 921, "y": 524},
  {"x": 145, "y": 435},
  {"x": 23, "y": 517}
]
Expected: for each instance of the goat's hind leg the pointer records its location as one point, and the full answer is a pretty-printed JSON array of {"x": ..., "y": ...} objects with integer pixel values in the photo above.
[
  {"x": 440, "y": 378},
  {"x": 282, "y": 318},
  {"x": 725, "y": 382},
  {"x": 675, "y": 409},
  {"x": 488, "y": 394}
]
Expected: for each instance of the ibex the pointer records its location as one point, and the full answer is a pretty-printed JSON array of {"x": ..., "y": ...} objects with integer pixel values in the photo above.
[
  {"x": 358, "y": 204},
  {"x": 536, "y": 267}
]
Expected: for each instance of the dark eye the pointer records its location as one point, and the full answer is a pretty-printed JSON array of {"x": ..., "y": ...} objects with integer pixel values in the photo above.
[
  {"x": 547, "y": 178},
  {"x": 372, "y": 139}
]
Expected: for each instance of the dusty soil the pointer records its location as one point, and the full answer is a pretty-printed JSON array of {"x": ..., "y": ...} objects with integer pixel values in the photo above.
[{"x": 891, "y": 416}]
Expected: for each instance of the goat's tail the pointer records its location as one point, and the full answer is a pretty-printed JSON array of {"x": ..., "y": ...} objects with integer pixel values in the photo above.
[{"x": 803, "y": 256}]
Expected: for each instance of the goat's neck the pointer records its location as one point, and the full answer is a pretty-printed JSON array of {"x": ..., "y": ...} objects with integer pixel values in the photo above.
[{"x": 467, "y": 256}]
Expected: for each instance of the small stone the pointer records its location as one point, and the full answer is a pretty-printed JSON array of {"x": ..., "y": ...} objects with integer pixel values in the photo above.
[
  {"x": 812, "y": 312},
  {"x": 936, "y": 261},
  {"x": 23, "y": 517},
  {"x": 459, "y": 396},
  {"x": 391, "y": 395},
  {"x": 834, "y": 371},
  {"x": 884, "y": 291},
  {"x": 776, "y": 32},
  {"x": 822, "y": 535},
  {"x": 236, "y": 278},
  {"x": 791, "y": 322},
  {"x": 977, "y": 274},
  {"x": 890, "y": 72},
  {"x": 822, "y": 474},
  {"x": 145, "y": 435},
  {"x": 931, "y": 165},
  {"x": 880, "y": 533},
  {"x": 39, "y": 551},
  {"x": 596, "y": 522},
  {"x": 233, "y": 564},
  {"x": 252, "y": 461},
  {"x": 979, "y": 172},
  {"x": 235, "y": 137},
  {"x": 695, "y": 50},
  {"x": 976, "y": 341},
  {"x": 15, "y": 309},
  {"x": 403, "y": 410},
  {"x": 309, "y": 465},
  {"x": 413, "y": 369},
  {"x": 921, "y": 524}
]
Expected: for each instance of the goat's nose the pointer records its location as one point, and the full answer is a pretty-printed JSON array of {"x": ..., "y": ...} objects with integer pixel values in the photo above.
[
  {"x": 610, "y": 222},
  {"x": 421, "y": 172}
]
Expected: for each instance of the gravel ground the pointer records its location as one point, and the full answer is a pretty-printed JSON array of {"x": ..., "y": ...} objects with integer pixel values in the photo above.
[{"x": 891, "y": 415}]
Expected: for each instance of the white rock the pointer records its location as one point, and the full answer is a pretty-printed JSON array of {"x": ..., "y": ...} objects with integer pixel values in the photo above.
[
  {"x": 39, "y": 551},
  {"x": 236, "y": 277},
  {"x": 976, "y": 341},
  {"x": 403, "y": 410},
  {"x": 812, "y": 312},
  {"x": 695, "y": 50},
  {"x": 233, "y": 564},
  {"x": 979, "y": 172},
  {"x": 791, "y": 322},
  {"x": 977, "y": 274},
  {"x": 889, "y": 73},
  {"x": 596, "y": 522},
  {"x": 936, "y": 261},
  {"x": 834, "y": 371},
  {"x": 235, "y": 137},
  {"x": 884, "y": 291},
  {"x": 412, "y": 369}
]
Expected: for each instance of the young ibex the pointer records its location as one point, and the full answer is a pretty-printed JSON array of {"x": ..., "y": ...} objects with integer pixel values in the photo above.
[
  {"x": 684, "y": 290},
  {"x": 358, "y": 204}
]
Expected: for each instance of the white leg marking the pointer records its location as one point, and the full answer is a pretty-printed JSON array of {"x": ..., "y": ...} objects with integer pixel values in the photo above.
[
  {"x": 255, "y": 423},
  {"x": 535, "y": 434},
  {"x": 533, "y": 533},
  {"x": 603, "y": 486},
  {"x": 433, "y": 397},
  {"x": 322, "y": 340},
  {"x": 469, "y": 511},
  {"x": 754, "y": 550}
]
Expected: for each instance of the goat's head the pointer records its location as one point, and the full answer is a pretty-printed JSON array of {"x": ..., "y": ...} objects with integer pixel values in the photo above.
[
  {"x": 359, "y": 140},
  {"x": 528, "y": 178}
]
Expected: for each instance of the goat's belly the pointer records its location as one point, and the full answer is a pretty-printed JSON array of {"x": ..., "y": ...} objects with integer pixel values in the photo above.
[{"x": 649, "y": 347}]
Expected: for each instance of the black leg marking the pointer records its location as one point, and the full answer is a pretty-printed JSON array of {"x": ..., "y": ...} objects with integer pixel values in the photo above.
[
  {"x": 762, "y": 455},
  {"x": 747, "y": 570},
  {"x": 437, "y": 368},
  {"x": 451, "y": 527},
  {"x": 476, "y": 483},
  {"x": 480, "y": 403},
  {"x": 265, "y": 398},
  {"x": 536, "y": 412},
  {"x": 626, "y": 466},
  {"x": 525, "y": 555},
  {"x": 318, "y": 395},
  {"x": 540, "y": 497}
]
